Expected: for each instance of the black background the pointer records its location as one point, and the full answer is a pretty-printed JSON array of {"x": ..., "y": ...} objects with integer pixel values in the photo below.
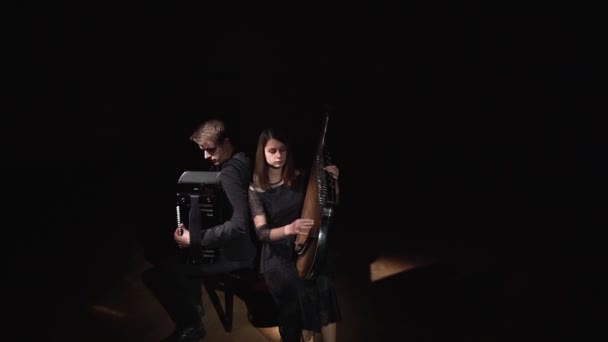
[{"x": 471, "y": 125}]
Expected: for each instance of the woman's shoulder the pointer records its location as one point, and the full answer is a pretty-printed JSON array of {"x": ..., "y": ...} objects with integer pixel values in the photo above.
[{"x": 255, "y": 188}]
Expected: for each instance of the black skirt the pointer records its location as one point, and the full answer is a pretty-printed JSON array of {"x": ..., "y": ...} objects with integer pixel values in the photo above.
[{"x": 303, "y": 304}]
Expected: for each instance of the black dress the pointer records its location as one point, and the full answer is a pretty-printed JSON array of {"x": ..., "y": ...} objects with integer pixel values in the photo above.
[{"x": 303, "y": 304}]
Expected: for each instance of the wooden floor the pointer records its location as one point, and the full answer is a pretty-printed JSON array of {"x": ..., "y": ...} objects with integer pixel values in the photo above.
[
  {"x": 450, "y": 295},
  {"x": 131, "y": 313},
  {"x": 430, "y": 291}
]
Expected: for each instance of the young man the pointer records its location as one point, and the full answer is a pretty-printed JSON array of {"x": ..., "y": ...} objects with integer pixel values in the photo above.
[{"x": 178, "y": 286}]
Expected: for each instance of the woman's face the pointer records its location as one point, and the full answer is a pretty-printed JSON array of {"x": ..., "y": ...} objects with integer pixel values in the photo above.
[{"x": 275, "y": 153}]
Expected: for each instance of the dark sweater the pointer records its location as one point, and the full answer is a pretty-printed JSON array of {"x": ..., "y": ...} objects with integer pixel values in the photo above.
[{"x": 233, "y": 236}]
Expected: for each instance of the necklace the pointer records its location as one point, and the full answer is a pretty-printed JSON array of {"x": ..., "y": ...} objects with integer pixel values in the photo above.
[{"x": 275, "y": 183}]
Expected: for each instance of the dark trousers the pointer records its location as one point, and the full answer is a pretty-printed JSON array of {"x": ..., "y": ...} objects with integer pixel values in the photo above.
[{"x": 178, "y": 287}]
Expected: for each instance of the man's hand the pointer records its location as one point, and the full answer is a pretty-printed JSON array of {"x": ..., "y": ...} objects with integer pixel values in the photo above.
[{"x": 181, "y": 235}]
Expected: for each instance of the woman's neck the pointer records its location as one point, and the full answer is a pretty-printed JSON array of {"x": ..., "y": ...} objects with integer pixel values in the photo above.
[{"x": 275, "y": 175}]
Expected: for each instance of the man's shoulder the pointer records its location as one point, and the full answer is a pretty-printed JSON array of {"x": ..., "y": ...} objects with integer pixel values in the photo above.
[
  {"x": 241, "y": 157},
  {"x": 239, "y": 160},
  {"x": 239, "y": 164}
]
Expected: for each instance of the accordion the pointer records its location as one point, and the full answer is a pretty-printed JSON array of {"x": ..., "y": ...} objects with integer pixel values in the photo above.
[{"x": 200, "y": 205}]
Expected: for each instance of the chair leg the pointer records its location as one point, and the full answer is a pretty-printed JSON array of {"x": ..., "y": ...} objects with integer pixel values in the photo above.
[
  {"x": 224, "y": 318},
  {"x": 228, "y": 304}
]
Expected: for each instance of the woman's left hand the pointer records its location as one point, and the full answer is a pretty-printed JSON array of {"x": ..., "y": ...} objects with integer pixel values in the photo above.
[{"x": 333, "y": 171}]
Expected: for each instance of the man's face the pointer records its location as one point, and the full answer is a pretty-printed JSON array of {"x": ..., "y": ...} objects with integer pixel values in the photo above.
[{"x": 214, "y": 152}]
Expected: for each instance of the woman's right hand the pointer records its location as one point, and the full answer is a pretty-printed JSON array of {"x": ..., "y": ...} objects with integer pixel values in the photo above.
[{"x": 300, "y": 226}]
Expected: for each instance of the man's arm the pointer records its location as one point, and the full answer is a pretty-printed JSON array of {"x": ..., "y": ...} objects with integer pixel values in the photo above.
[{"x": 238, "y": 225}]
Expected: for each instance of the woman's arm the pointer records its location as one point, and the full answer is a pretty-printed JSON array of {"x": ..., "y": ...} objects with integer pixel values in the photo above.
[{"x": 263, "y": 231}]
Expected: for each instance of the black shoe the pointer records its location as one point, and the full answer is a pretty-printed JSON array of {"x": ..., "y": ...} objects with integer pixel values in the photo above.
[{"x": 188, "y": 334}]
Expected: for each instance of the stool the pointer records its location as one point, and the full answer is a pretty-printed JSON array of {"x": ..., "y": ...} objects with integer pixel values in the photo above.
[{"x": 249, "y": 287}]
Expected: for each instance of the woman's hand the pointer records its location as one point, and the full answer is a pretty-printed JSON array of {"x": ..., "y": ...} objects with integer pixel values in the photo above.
[
  {"x": 300, "y": 226},
  {"x": 333, "y": 171}
]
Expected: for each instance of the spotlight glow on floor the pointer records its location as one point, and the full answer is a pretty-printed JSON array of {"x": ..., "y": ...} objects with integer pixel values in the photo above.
[
  {"x": 105, "y": 311},
  {"x": 388, "y": 265}
]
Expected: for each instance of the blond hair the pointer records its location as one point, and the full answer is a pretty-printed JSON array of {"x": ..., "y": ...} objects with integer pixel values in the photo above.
[{"x": 212, "y": 129}]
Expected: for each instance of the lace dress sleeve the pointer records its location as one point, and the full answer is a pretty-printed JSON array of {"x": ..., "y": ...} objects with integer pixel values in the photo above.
[{"x": 255, "y": 205}]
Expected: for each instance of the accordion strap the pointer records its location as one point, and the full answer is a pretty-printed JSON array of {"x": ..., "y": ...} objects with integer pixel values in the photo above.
[{"x": 194, "y": 225}]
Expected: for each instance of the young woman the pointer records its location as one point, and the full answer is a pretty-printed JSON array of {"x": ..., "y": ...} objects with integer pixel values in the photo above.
[{"x": 276, "y": 199}]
